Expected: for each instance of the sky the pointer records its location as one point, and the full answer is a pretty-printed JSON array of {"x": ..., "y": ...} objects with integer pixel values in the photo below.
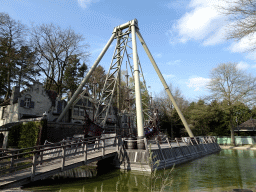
[{"x": 187, "y": 38}]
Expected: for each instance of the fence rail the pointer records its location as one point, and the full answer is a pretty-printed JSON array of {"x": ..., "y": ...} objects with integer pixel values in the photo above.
[
  {"x": 59, "y": 153},
  {"x": 13, "y": 160}
]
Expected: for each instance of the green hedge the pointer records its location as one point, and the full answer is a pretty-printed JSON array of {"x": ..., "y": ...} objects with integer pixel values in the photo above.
[
  {"x": 24, "y": 135},
  {"x": 28, "y": 135},
  {"x": 14, "y": 135}
]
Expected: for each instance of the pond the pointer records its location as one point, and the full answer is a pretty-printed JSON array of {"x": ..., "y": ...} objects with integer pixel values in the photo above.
[{"x": 229, "y": 169}]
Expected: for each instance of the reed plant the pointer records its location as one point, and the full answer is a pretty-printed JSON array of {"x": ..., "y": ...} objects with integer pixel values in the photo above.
[{"x": 158, "y": 181}]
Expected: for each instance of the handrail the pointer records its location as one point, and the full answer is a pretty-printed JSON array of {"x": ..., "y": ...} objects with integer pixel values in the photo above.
[
  {"x": 43, "y": 146},
  {"x": 52, "y": 144},
  {"x": 64, "y": 149},
  {"x": 71, "y": 148}
]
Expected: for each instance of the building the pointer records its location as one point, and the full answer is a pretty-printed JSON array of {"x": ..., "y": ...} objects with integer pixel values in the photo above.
[
  {"x": 30, "y": 103},
  {"x": 248, "y": 127},
  {"x": 35, "y": 102}
]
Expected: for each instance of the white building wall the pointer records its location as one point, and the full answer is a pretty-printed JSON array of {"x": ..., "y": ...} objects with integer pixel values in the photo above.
[
  {"x": 14, "y": 112},
  {"x": 40, "y": 98}
]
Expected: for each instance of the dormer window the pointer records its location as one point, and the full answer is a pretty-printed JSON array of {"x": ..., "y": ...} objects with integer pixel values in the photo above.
[{"x": 27, "y": 103}]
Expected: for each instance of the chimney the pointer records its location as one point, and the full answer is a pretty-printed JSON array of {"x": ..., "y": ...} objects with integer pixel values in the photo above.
[{"x": 15, "y": 94}]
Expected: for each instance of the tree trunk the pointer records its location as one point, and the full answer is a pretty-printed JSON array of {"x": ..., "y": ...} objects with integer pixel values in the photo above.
[
  {"x": 7, "y": 96},
  {"x": 233, "y": 142}
]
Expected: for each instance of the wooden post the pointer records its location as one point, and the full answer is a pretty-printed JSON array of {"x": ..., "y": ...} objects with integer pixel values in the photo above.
[
  {"x": 41, "y": 156},
  {"x": 96, "y": 143},
  {"x": 205, "y": 143},
  {"x": 191, "y": 141},
  {"x": 12, "y": 161},
  {"x": 63, "y": 157},
  {"x": 193, "y": 145},
  {"x": 160, "y": 149},
  {"x": 167, "y": 139},
  {"x": 117, "y": 144},
  {"x": 146, "y": 143},
  {"x": 33, "y": 168},
  {"x": 176, "y": 139},
  {"x": 85, "y": 152},
  {"x": 103, "y": 147},
  {"x": 196, "y": 140},
  {"x": 188, "y": 148},
  {"x": 172, "y": 150}
]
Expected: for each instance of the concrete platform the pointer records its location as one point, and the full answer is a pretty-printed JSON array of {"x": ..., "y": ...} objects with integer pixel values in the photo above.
[{"x": 166, "y": 156}]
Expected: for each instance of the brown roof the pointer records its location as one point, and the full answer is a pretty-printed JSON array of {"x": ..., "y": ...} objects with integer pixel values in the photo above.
[{"x": 251, "y": 123}]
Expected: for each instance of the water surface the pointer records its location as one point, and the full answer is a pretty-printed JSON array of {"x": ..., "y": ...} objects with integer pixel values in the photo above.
[{"x": 229, "y": 169}]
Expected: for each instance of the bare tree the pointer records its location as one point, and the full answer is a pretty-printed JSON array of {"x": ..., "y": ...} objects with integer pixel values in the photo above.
[
  {"x": 242, "y": 17},
  {"x": 166, "y": 107},
  {"x": 55, "y": 46},
  {"x": 231, "y": 85}
]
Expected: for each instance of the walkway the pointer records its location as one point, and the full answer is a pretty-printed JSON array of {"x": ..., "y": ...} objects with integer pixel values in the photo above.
[
  {"x": 54, "y": 158},
  {"x": 18, "y": 167}
]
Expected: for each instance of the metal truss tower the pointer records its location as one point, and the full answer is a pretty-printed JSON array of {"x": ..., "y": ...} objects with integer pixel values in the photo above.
[{"x": 122, "y": 34}]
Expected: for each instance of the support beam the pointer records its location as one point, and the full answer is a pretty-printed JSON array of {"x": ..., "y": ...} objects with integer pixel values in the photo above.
[
  {"x": 119, "y": 80},
  {"x": 87, "y": 76},
  {"x": 164, "y": 83},
  {"x": 139, "y": 113}
]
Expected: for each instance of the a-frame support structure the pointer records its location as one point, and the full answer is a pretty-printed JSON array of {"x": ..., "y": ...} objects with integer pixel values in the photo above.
[{"x": 130, "y": 27}]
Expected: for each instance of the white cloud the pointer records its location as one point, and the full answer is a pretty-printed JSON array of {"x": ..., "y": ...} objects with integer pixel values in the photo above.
[
  {"x": 245, "y": 44},
  {"x": 203, "y": 22},
  {"x": 217, "y": 37},
  {"x": 242, "y": 65},
  {"x": 197, "y": 83},
  {"x": 84, "y": 3},
  {"x": 174, "y": 62},
  {"x": 166, "y": 76},
  {"x": 198, "y": 23}
]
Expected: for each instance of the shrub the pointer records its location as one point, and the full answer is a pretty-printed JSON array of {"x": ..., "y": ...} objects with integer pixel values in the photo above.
[
  {"x": 28, "y": 135},
  {"x": 14, "y": 135}
]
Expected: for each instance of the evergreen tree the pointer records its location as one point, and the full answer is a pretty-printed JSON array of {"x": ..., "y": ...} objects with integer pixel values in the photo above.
[
  {"x": 11, "y": 36},
  {"x": 73, "y": 74},
  {"x": 27, "y": 70}
]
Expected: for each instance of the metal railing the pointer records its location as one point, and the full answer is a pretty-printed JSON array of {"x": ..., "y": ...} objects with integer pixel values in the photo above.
[{"x": 184, "y": 141}]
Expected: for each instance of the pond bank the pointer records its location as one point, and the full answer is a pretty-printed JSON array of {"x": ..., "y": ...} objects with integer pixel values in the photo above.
[{"x": 243, "y": 147}]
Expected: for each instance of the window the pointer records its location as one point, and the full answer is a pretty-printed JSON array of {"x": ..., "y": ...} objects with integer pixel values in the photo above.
[
  {"x": 76, "y": 111},
  {"x": 3, "y": 112},
  {"x": 81, "y": 111},
  {"x": 27, "y": 102}
]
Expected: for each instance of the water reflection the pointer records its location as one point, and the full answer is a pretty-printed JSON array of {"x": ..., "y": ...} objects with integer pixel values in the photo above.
[
  {"x": 76, "y": 173},
  {"x": 224, "y": 171}
]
